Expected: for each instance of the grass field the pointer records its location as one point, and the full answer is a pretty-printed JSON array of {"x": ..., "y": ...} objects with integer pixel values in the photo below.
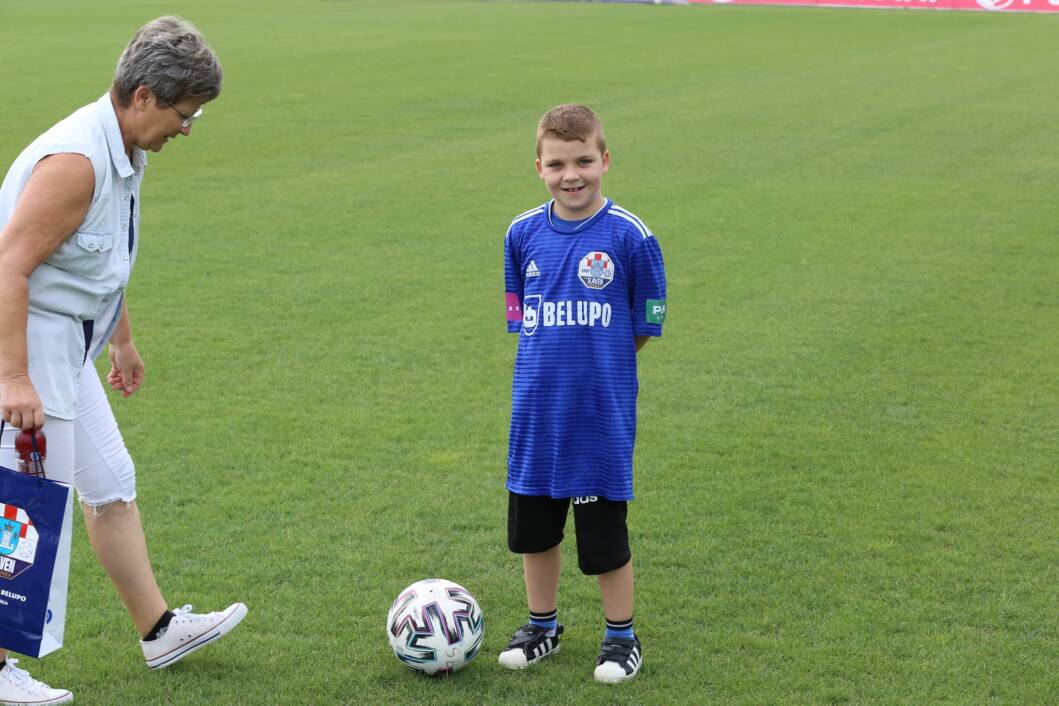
[{"x": 849, "y": 435}]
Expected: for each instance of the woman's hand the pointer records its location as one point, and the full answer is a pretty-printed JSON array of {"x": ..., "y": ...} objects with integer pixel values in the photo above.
[
  {"x": 20, "y": 405},
  {"x": 126, "y": 368}
]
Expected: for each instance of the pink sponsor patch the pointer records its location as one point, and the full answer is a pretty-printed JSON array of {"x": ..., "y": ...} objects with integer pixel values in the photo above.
[{"x": 513, "y": 306}]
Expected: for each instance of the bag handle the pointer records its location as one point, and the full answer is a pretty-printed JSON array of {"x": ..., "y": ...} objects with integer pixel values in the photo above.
[{"x": 38, "y": 464}]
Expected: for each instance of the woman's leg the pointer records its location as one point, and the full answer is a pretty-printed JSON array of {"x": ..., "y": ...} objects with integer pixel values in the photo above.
[
  {"x": 106, "y": 484},
  {"x": 116, "y": 534}
]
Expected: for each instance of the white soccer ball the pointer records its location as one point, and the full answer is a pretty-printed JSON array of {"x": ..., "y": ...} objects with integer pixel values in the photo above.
[{"x": 435, "y": 626}]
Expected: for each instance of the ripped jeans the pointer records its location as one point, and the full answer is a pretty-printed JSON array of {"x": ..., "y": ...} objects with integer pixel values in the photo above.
[{"x": 89, "y": 450}]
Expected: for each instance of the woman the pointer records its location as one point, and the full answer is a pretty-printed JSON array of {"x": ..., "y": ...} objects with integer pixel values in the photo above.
[{"x": 69, "y": 226}]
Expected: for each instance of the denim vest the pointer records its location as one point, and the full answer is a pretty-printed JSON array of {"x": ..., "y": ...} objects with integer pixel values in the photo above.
[{"x": 75, "y": 295}]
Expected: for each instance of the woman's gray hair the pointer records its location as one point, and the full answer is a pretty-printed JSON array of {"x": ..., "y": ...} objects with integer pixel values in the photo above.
[{"x": 169, "y": 56}]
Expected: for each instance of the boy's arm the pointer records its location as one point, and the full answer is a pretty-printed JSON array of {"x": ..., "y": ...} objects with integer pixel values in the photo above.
[
  {"x": 647, "y": 291},
  {"x": 513, "y": 286}
]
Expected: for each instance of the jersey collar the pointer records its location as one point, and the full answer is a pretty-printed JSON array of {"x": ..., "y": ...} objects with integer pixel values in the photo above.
[{"x": 584, "y": 225}]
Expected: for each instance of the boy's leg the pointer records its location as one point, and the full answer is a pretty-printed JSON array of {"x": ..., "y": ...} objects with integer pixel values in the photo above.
[
  {"x": 603, "y": 551},
  {"x": 541, "y": 572},
  {"x": 105, "y": 478},
  {"x": 616, "y": 589},
  {"x": 535, "y": 530}
]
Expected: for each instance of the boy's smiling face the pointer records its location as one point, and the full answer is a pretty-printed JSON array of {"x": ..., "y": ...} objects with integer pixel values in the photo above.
[{"x": 573, "y": 172}]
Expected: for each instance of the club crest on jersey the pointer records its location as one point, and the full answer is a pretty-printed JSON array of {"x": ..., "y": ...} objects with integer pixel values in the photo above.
[
  {"x": 531, "y": 307},
  {"x": 596, "y": 270},
  {"x": 18, "y": 541}
]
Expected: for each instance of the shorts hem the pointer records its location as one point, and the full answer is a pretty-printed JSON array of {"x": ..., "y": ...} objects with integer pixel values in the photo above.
[
  {"x": 595, "y": 571},
  {"x": 546, "y": 493},
  {"x": 97, "y": 505},
  {"x": 524, "y": 549}
]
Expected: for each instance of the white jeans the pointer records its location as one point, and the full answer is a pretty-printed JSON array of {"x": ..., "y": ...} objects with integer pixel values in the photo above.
[{"x": 89, "y": 449}]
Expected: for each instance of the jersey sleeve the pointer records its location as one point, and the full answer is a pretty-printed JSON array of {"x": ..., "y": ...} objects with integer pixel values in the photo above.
[
  {"x": 512, "y": 283},
  {"x": 648, "y": 295}
]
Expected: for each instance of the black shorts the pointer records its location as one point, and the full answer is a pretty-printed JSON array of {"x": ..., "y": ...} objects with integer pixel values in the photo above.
[{"x": 535, "y": 524}]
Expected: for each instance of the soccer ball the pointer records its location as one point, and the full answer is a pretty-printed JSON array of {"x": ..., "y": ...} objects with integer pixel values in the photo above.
[{"x": 435, "y": 626}]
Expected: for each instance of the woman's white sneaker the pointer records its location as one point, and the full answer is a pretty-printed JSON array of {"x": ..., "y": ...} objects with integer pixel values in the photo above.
[
  {"x": 188, "y": 632},
  {"x": 18, "y": 688}
]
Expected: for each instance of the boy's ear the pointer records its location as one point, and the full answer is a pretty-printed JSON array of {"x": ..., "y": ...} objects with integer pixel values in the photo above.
[
  {"x": 540, "y": 169},
  {"x": 606, "y": 161}
]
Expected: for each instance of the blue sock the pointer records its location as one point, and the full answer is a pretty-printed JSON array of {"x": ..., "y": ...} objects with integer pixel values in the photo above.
[
  {"x": 549, "y": 621},
  {"x": 619, "y": 628}
]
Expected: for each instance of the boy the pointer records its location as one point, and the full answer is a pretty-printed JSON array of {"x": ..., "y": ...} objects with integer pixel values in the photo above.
[{"x": 585, "y": 286}]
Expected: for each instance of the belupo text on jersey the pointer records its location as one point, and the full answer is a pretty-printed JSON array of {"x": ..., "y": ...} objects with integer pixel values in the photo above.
[{"x": 562, "y": 313}]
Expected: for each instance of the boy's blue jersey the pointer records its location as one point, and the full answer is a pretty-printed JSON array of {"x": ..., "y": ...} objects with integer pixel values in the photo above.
[{"x": 578, "y": 297}]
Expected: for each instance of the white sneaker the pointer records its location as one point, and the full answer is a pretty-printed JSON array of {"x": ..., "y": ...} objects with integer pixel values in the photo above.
[
  {"x": 189, "y": 631},
  {"x": 530, "y": 644},
  {"x": 619, "y": 660},
  {"x": 18, "y": 688}
]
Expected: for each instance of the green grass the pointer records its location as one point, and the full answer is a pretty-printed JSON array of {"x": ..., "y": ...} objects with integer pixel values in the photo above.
[{"x": 847, "y": 460}]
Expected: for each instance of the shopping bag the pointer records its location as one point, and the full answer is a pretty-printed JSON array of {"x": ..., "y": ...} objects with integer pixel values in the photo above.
[{"x": 36, "y": 527}]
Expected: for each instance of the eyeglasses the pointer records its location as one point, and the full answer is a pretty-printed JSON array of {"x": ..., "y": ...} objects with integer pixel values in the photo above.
[{"x": 188, "y": 119}]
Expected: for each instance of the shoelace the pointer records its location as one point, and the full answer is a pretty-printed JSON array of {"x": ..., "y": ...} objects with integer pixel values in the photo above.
[
  {"x": 186, "y": 613},
  {"x": 22, "y": 678}
]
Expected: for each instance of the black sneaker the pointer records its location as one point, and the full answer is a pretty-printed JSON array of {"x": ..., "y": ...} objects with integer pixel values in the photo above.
[
  {"x": 619, "y": 660},
  {"x": 530, "y": 644}
]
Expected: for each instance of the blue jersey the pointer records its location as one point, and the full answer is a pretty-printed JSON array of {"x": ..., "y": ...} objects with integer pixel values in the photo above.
[{"x": 578, "y": 295}]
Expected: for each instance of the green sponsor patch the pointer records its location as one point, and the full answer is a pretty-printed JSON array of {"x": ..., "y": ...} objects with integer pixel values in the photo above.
[{"x": 656, "y": 311}]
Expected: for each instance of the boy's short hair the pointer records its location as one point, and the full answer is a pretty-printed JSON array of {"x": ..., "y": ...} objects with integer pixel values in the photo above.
[{"x": 569, "y": 122}]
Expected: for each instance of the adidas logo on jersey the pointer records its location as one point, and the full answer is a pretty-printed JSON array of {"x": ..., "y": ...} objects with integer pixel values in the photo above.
[{"x": 531, "y": 270}]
